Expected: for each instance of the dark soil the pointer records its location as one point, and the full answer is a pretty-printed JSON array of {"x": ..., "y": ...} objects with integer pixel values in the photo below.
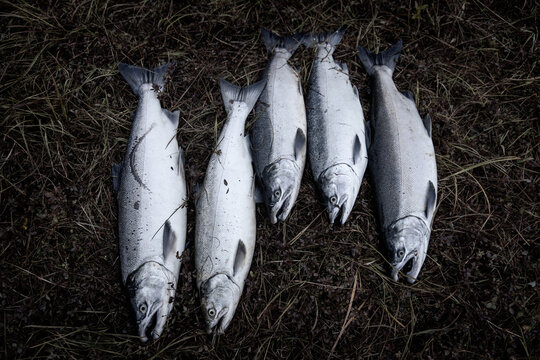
[{"x": 314, "y": 291}]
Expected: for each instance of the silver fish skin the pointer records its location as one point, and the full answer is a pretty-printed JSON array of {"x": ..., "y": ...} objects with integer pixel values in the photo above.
[
  {"x": 336, "y": 129},
  {"x": 225, "y": 225},
  {"x": 278, "y": 135},
  {"x": 151, "y": 190},
  {"x": 402, "y": 165}
]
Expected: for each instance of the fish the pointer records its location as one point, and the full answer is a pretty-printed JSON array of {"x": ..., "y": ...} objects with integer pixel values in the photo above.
[
  {"x": 278, "y": 135},
  {"x": 337, "y": 144},
  {"x": 150, "y": 187},
  {"x": 402, "y": 165},
  {"x": 225, "y": 212}
]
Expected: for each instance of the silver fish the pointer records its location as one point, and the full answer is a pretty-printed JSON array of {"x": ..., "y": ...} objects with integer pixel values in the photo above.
[
  {"x": 336, "y": 130},
  {"x": 151, "y": 189},
  {"x": 225, "y": 226},
  {"x": 278, "y": 136},
  {"x": 402, "y": 164}
]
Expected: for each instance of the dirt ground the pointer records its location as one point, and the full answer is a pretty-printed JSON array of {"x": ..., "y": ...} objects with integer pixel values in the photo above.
[{"x": 314, "y": 291}]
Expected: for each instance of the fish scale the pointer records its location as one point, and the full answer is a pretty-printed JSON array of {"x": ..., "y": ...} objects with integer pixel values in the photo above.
[
  {"x": 402, "y": 165},
  {"x": 151, "y": 189},
  {"x": 336, "y": 130}
]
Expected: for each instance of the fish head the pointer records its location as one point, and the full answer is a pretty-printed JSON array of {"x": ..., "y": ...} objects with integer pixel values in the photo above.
[
  {"x": 339, "y": 185},
  {"x": 407, "y": 241},
  {"x": 219, "y": 299},
  {"x": 151, "y": 291},
  {"x": 281, "y": 185}
]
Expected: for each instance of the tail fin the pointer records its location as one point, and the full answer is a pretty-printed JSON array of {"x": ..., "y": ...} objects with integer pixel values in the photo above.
[
  {"x": 136, "y": 76},
  {"x": 273, "y": 42},
  {"x": 329, "y": 39},
  {"x": 249, "y": 94},
  {"x": 388, "y": 57}
]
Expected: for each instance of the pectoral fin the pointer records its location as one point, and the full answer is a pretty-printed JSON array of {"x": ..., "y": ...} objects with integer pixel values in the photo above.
[
  {"x": 299, "y": 143},
  {"x": 427, "y": 124},
  {"x": 431, "y": 199},
  {"x": 169, "y": 242},
  {"x": 357, "y": 150},
  {"x": 240, "y": 258}
]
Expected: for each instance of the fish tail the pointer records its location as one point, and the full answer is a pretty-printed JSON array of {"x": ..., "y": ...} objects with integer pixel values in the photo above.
[
  {"x": 249, "y": 94},
  {"x": 136, "y": 76},
  {"x": 328, "y": 39},
  {"x": 272, "y": 42},
  {"x": 388, "y": 57}
]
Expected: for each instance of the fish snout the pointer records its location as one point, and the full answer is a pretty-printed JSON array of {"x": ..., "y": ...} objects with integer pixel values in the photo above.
[
  {"x": 280, "y": 209},
  {"x": 215, "y": 317}
]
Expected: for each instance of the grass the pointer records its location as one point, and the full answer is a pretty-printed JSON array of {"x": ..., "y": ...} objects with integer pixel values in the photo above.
[{"x": 314, "y": 291}]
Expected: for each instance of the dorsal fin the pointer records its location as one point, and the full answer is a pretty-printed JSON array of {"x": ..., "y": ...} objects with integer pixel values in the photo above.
[
  {"x": 357, "y": 149},
  {"x": 169, "y": 242},
  {"x": 355, "y": 91},
  {"x": 408, "y": 94},
  {"x": 367, "y": 127},
  {"x": 427, "y": 124},
  {"x": 431, "y": 199},
  {"x": 116, "y": 172},
  {"x": 299, "y": 143},
  {"x": 173, "y": 116},
  {"x": 240, "y": 257}
]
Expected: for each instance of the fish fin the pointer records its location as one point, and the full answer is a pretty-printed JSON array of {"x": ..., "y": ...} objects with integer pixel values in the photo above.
[
  {"x": 357, "y": 149},
  {"x": 240, "y": 257},
  {"x": 116, "y": 172},
  {"x": 136, "y": 76},
  {"x": 169, "y": 242},
  {"x": 181, "y": 161},
  {"x": 355, "y": 91},
  {"x": 258, "y": 195},
  {"x": 329, "y": 39},
  {"x": 343, "y": 67},
  {"x": 388, "y": 57},
  {"x": 249, "y": 94},
  {"x": 273, "y": 42},
  {"x": 196, "y": 190},
  {"x": 408, "y": 94},
  {"x": 427, "y": 123},
  {"x": 431, "y": 200},
  {"x": 299, "y": 143},
  {"x": 367, "y": 127},
  {"x": 173, "y": 116}
]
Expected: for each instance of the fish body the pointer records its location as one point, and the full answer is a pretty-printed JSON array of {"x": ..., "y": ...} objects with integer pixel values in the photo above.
[
  {"x": 336, "y": 130},
  {"x": 278, "y": 136},
  {"x": 402, "y": 165},
  {"x": 225, "y": 226},
  {"x": 151, "y": 189}
]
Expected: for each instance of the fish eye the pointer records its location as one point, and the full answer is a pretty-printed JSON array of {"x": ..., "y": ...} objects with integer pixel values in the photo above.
[
  {"x": 211, "y": 312},
  {"x": 333, "y": 200},
  {"x": 277, "y": 193},
  {"x": 401, "y": 253},
  {"x": 142, "y": 308}
]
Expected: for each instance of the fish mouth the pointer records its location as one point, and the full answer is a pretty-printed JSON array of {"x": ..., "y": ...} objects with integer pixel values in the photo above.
[
  {"x": 280, "y": 210},
  {"x": 342, "y": 209},
  {"x": 150, "y": 321},
  {"x": 412, "y": 262},
  {"x": 220, "y": 323}
]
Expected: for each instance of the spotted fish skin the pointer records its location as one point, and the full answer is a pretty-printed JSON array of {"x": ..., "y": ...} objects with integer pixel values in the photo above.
[
  {"x": 336, "y": 129},
  {"x": 151, "y": 192},
  {"x": 278, "y": 135},
  {"x": 225, "y": 225},
  {"x": 402, "y": 165}
]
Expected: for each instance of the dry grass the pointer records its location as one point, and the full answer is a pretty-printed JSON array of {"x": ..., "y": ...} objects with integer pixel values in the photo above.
[{"x": 313, "y": 291}]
